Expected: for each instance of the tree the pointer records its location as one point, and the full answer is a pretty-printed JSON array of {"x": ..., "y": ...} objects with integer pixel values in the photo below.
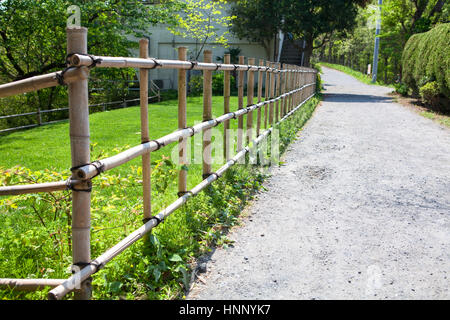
[
  {"x": 203, "y": 21},
  {"x": 258, "y": 21},
  {"x": 33, "y": 39},
  {"x": 311, "y": 19},
  {"x": 403, "y": 18}
]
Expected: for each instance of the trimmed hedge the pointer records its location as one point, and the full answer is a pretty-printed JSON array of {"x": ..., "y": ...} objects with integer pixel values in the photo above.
[{"x": 426, "y": 58}]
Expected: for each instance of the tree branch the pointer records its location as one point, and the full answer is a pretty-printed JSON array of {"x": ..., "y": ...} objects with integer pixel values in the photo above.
[{"x": 9, "y": 54}]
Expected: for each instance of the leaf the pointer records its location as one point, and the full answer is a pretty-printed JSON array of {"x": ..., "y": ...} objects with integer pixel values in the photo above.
[
  {"x": 115, "y": 286},
  {"x": 175, "y": 258},
  {"x": 156, "y": 274}
]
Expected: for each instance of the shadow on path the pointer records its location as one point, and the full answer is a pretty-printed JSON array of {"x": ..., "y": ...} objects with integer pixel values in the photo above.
[{"x": 349, "y": 98}]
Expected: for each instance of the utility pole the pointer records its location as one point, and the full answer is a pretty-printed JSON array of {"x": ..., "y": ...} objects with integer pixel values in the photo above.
[{"x": 377, "y": 44}]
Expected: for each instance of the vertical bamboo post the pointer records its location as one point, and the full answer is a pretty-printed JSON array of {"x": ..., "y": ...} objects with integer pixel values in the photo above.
[
  {"x": 207, "y": 115},
  {"x": 80, "y": 153},
  {"x": 291, "y": 102},
  {"x": 272, "y": 94},
  {"x": 182, "y": 123},
  {"x": 240, "y": 106},
  {"x": 266, "y": 94},
  {"x": 295, "y": 86},
  {"x": 226, "y": 109},
  {"x": 283, "y": 101},
  {"x": 145, "y": 136},
  {"x": 250, "y": 93},
  {"x": 289, "y": 82},
  {"x": 260, "y": 86},
  {"x": 277, "y": 92},
  {"x": 299, "y": 83}
]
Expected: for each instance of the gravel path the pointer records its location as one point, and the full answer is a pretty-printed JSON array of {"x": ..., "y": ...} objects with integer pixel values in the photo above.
[{"x": 359, "y": 210}]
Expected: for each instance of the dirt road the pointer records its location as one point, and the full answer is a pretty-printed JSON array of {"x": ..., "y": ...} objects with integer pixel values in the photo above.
[{"x": 359, "y": 210}]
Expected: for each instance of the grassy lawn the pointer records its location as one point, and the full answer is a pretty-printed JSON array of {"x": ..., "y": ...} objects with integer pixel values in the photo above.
[
  {"x": 356, "y": 74},
  {"x": 49, "y": 146},
  {"x": 35, "y": 239}
]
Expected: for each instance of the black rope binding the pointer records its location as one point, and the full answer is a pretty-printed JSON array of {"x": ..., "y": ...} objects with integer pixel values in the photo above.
[
  {"x": 60, "y": 77},
  {"x": 182, "y": 193},
  {"x": 158, "y": 220},
  {"x": 160, "y": 145},
  {"x": 193, "y": 64},
  {"x": 157, "y": 64},
  {"x": 71, "y": 186},
  {"x": 82, "y": 265},
  {"x": 92, "y": 65},
  {"x": 192, "y": 130},
  {"x": 207, "y": 175},
  {"x": 218, "y": 65},
  {"x": 100, "y": 167}
]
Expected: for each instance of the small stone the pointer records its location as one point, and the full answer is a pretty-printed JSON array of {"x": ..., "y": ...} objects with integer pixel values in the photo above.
[{"x": 202, "y": 267}]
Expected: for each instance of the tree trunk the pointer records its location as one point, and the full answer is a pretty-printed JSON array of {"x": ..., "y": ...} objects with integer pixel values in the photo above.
[{"x": 308, "y": 52}]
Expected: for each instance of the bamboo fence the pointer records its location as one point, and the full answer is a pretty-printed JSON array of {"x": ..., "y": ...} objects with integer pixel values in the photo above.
[{"x": 287, "y": 89}]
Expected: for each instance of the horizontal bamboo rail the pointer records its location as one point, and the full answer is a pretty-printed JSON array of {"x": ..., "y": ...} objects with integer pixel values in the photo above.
[
  {"x": 29, "y": 284},
  {"x": 38, "y": 187},
  {"x": 41, "y": 82},
  {"x": 78, "y": 60},
  {"x": 98, "y": 263}
]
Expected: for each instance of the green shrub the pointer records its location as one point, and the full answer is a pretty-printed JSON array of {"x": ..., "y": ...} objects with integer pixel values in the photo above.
[
  {"x": 426, "y": 58},
  {"x": 430, "y": 94},
  {"x": 196, "y": 84},
  {"x": 401, "y": 88},
  {"x": 318, "y": 83}
]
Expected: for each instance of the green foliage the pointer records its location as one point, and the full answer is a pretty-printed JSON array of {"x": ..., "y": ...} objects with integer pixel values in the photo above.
[
  {"x": 33, "y": 42},
  {"x": 257, "y": 21},
  {"x": 430, "y": 94},
  {"x": 318, "y": 83},
  {"x": 196, "y": 84},
  {"x": 426, "y": 58},
  {"x": 202, "y": 20},
  {"x": 401, "y": 88},
  {"x": 399, "y": 20},
  {"x": 234, "y": 55}
]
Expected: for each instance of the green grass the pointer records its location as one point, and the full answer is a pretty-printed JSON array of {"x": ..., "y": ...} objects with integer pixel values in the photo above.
[
  {"x": 440, "y": 118},
  {"x": 356, "y": 74},
  {"x": 35, "y": 239},
  {"x": 49, "y": 146}
]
